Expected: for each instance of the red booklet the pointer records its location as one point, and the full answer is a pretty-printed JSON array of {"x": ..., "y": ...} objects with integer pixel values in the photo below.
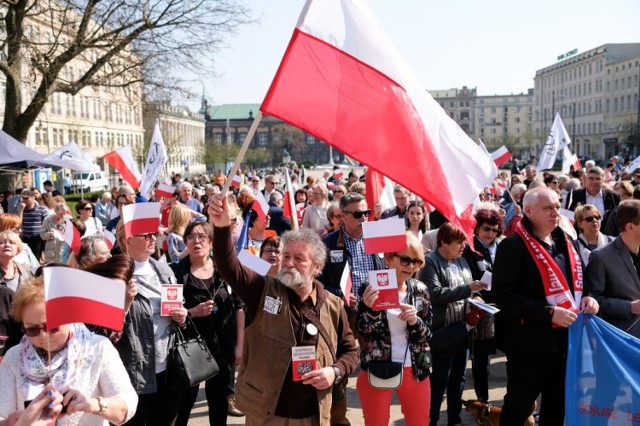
[
  {"x": 304, "y": 361},
  {"x": 386, "y": 282}
]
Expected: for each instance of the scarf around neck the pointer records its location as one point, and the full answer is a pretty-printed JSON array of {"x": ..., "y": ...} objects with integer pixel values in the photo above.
[
  {"x": 65, "y": 365},
  {"x": 556, "y": 288}
]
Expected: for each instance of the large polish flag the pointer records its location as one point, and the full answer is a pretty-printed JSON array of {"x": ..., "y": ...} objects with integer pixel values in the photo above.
[
  {"x": 379, "y": 190},
  {"x": 122, "y": 160},
  {"x": 141, "y": 218},
  {"x": 500, "y": 156},
  {"x": 165, "y": 190},
  {"x": 342, "y": 81},
  {"x": 384, "y": 236},
  {"x": 73, "y": 295}
]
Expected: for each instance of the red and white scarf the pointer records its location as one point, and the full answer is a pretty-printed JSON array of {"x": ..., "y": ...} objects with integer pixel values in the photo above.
[{"x": 556, "y": 288}]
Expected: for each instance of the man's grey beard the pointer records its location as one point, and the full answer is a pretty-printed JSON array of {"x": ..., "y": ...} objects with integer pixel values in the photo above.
[{"x": 291, "y": 278}]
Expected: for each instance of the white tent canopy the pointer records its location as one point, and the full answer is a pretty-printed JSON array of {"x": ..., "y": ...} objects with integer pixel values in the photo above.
[{"x": 15, "y": 155}]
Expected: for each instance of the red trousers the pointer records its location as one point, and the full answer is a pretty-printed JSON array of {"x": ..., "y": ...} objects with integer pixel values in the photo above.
[{"x": 414, "y": 396}]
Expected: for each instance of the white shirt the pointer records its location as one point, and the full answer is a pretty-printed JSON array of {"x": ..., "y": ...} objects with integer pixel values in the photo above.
[
  {"x": 398, "y": 331},
  {"x": 596, "y": 201}
]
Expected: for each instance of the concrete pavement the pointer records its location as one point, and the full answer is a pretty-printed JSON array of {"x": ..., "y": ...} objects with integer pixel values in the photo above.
[{"x": 497, "y": 384}]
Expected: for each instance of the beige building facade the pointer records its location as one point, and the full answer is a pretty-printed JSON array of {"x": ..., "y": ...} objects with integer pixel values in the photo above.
[
  {"x": 183, "y": 135},
  {"x": 596, "y": 95}
]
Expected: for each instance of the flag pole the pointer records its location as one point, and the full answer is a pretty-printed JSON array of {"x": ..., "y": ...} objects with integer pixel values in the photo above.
[{"x": 243, "y": 151}]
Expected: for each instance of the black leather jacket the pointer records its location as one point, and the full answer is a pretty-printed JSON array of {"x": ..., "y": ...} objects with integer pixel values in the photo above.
[{"x": 136, "y": 347}]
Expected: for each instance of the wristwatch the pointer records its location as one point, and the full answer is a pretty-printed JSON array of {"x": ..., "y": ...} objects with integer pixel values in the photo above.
[
  {"x": 102, "y": 403},
  {"x": 338, "y": 374}
]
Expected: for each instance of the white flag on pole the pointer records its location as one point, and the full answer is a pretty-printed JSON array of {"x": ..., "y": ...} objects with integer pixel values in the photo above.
[
  {"x": 570, "y": 159},
  {"x": 557, "y": 140},
  {"x": 156, "y": 160}
]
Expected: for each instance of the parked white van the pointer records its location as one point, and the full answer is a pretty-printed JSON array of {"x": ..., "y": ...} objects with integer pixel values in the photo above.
[{"x": 90, "y": 181}]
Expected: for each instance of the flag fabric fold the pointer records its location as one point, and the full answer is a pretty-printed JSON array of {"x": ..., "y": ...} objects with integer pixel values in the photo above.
[
  {"x": 72, "y": 236},
  {"x": 603, "y": 375},
  {"x": 73, "y": 295},
  {"x": 122, "y": 160},
  {"x": 165, "y": 190},
  {"x": 556, "y": 141},
  {"x": 289, "y": 201},
  {"x": 379, "y": 190},
  {"x": 342, "y": 81},
  {"x": 156, "y": 159}
]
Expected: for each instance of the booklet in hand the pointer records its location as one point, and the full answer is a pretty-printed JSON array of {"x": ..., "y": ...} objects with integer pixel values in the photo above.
[
  {"x": 386, "y": 282},
  {"x": 304, "y": 361},
  {"x": 170, "y": 298}
]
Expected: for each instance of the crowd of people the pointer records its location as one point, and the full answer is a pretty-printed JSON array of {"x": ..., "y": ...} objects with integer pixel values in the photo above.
[{"x": 544, "y": 249}]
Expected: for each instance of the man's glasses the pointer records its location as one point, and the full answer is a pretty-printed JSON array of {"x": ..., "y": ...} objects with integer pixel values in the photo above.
[
  {"x": 35, "y": 330},
  {"x": 591, "y": 218},
  {"x": 148, "y": 237},
  {"x": 490, "y": 229},
  {"x": 406, "y": 261},
  {"x": 195, "y": 237},
  {"x": 358, "y": 214}
]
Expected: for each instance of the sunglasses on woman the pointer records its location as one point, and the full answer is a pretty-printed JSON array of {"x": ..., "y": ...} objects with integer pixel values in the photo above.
[
  {"x": 406, "y": 261},
  {"x": 34, "y": 331},
  {"x": 591, "y": 218}
]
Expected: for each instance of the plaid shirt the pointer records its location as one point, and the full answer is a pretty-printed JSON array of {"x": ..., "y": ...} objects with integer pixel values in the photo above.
[{"x": 361, "y": 263}]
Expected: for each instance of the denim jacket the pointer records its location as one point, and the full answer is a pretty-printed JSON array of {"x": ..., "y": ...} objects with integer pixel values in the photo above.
[{"x": 374, "y": 328}]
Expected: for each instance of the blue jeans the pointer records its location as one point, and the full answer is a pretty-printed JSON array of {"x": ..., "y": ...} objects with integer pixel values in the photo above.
[{"x": 448, "y": 374}]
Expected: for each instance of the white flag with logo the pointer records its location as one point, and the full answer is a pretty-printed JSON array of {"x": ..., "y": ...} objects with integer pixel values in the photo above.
[
  {"x": 557, "y": 140},
  {"x": 156, "y": 160}
]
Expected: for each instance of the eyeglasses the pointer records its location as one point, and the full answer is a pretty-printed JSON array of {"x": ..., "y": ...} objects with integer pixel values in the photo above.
[
  {"x": 490, "y": 229},
  {"x": 148, "y": 237},
  {"x": 35, "y": 330},
  {"x": 555, "y": 182},
  {"x": 87, "y": 208},
  {"x": 406, "y": 261},
  {"x": 195, "y": 237},
  {"x": 338, "y": 191},
  {"x": 273, "y": 251},
  {"x": 358, "y": 214},
  {"x": 591, "y": 218}
]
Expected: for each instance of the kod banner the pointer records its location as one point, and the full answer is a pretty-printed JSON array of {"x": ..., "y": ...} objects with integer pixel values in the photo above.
[{"x": 603, "y": 375}]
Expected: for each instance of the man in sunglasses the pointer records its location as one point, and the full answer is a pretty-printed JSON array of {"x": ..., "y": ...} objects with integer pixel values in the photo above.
[
  {"x": 613, "y": 271},
  {"x": 346, "y": 246}
]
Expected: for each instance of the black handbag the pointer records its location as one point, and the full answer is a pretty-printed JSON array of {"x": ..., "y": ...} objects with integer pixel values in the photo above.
[
  {"x": 189, "y": 361},
  {"x": 450, "y": 340}
]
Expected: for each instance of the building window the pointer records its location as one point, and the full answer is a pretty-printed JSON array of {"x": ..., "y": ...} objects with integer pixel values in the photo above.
[
  {"x": 263, "y": 138},
  {"x": 310, "y": 140}
]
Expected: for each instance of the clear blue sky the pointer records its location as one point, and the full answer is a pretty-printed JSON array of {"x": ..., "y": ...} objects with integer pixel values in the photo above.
[{"x": 494, "y": 45}]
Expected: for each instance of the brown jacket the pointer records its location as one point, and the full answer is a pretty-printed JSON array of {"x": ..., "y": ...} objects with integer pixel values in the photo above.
[{"x": 268, "y": 340}]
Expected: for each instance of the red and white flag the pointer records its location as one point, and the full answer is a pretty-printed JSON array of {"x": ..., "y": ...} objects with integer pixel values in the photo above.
[
  {"x": 501, "y": 156},
  {"x": 122, "y": 160},
  {"x": 379, "y": 190},
  {"x": 111, "y": 239},
  {"x": 72, "y": 236},
  {"x": 338, "y": 173},
  {"x": 164, "y": 190},
  {"x": 384, "y": 236},
  {"x": 570, "y": 159},
  {"x": 289, "y": 201},
  {"x": 141, "y": 218},
  {"x": 236, "y": 182},
  {"x": 260, "y": 205},
  {"x": 500, "y": 184},
  {"x": 73, "y": 295},
  {"x": 346, "y": 283},
  {"x": 342, "y": 81}
]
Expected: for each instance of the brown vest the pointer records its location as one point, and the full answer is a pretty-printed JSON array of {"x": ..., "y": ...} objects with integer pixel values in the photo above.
[{"x": 267, "y": 353}]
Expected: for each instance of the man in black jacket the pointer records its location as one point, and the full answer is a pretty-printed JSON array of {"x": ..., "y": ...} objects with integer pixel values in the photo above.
[
  {"x": 537, "y": 297},
  {"x": 595, "y": 193}
]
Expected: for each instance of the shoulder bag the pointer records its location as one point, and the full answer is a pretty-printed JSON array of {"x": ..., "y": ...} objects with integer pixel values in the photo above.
[{"x": 189, "y": 361}]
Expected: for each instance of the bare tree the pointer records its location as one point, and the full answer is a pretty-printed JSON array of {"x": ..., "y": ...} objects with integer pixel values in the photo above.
[{"x": 119, "y": 44}]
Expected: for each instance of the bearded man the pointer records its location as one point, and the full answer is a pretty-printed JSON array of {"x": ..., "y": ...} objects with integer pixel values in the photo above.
[{"x": 291, "y": 313}]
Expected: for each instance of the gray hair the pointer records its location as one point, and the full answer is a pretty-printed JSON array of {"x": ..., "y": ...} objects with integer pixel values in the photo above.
[
  {"x": 572, "y": 184},
  {"x": 596, "y": 169},
  {"x": 349, "y": 198},
  {"x": 88, "y": 250},
  {"x": 532, "y": 195},
  {"x": 106, "y": 194},
  {"x": 310, "y": 237},
  {"x": 187, "y": 185},
  {"x": 275, "y": 197},
  {"x": 518, "y": 189},
  {"x": 60, "y": 206}
]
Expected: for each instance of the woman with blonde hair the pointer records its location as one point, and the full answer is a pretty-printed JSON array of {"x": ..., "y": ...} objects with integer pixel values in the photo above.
[
  {"x": 12, "y": 222},
  {"x": 179, "y": 218},
  {"x": 54, "y": 226},
  {"x": 315, "y": 216}
]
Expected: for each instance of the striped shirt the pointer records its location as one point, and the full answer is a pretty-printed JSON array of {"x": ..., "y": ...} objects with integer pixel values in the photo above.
[
  {"x": 361, "y": 263},
  {"x": 32, "y": 220}
]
